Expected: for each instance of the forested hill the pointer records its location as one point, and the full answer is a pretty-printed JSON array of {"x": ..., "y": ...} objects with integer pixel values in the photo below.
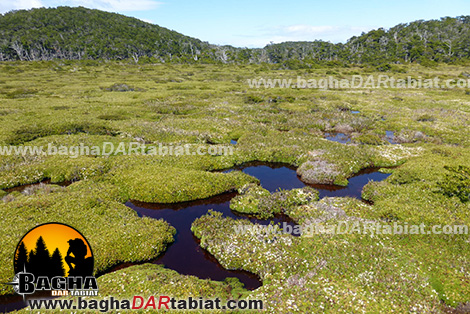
[
  {"x": 444, "y": 40},
  {"x": 440, "y": 40},
  {"x": 80, "y": 33}
]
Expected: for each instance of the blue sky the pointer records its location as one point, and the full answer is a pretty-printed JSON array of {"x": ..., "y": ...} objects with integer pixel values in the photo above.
[{"x": 254, "y": 23}]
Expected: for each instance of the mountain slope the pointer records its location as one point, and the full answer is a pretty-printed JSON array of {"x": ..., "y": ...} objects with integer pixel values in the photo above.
[{"x": 80, "y": 33}]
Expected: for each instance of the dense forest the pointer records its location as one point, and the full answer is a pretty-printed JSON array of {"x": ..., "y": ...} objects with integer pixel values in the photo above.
[{"x": 81, "y": 33}]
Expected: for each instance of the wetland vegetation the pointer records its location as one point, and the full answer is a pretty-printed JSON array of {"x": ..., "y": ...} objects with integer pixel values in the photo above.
[{"x": 92, "y": 102}]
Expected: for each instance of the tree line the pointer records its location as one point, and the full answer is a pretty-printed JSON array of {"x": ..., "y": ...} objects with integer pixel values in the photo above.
[
  {"x": 39, "y": 261},
  {"x": 81, "y": 33}
]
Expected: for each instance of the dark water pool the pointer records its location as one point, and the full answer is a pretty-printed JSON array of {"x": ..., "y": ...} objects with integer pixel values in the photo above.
[
  {"x": 10, "y": 303},
  {"x": 338, "y": 137},
  {"x": 187, "y": 257},
  {"x": 272, "y": 176},
  {"x": 354, "y": 188},
  {"x": 390, "y": 137},
  {"x": 21, "y": 188}
]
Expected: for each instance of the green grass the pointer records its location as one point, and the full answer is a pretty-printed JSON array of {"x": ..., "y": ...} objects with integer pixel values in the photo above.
[
  {"x": 115, "y": 232},
  {"x": 155, "y": 280},
  {"x": 68, "y": 103},
  {"x": 144, "y": 180}
]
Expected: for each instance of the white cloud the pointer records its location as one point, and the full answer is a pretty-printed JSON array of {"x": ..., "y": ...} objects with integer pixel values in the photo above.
[
  {"x": 309, "y": 29},
  {"x": 19, "y": 4},
  {"x": 299, "y": 32},
  {"x": 115, "y": 5},
  {"x": 105, "y": 5},
  {"x": 148, "y": 21},
  {"x": 302, "y": 32}
]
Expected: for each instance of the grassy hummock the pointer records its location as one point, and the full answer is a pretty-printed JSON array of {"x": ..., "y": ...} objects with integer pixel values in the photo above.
[
  {"x": 114, "y": 231},
  {"x": 256, "y": 201}
]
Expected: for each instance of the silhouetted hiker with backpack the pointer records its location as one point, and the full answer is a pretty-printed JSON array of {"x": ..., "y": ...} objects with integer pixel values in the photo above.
[{"x": 79, "y": 265}]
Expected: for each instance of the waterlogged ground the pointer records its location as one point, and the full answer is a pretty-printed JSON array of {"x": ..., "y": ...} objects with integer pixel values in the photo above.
[
  {"x": 422, "y": 131},
  {"x": 273, "y": 177}
]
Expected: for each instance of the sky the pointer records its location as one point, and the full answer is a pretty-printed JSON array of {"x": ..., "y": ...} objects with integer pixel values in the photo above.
[{"x": 244, "y": 23}]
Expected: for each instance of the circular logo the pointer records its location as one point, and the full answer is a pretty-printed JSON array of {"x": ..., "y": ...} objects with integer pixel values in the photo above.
[{"x": 54, "y": 250}]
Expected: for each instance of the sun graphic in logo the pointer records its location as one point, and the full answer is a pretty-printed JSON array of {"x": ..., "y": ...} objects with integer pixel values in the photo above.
[{"x": 54, "y": 249}]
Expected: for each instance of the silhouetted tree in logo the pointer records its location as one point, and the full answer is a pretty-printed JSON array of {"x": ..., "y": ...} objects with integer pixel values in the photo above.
[
  {"x": 39, "y": 261},
  {"x": 57, "y": 266},
  {"x": 21, "y": 257},
  {"x": 79, "y": 265}
]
